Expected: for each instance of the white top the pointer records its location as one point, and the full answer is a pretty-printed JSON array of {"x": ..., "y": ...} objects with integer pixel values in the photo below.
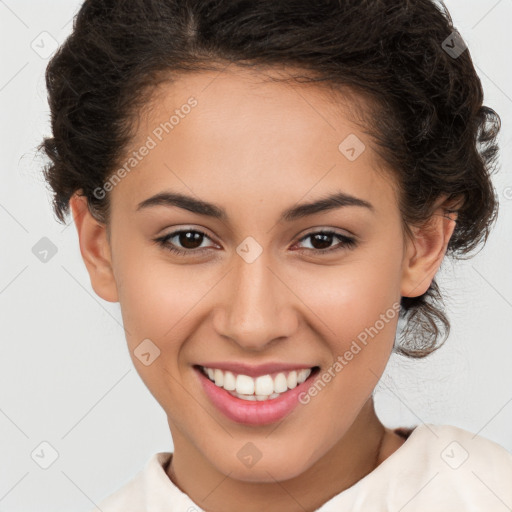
[{"x": 438, "y": 468}]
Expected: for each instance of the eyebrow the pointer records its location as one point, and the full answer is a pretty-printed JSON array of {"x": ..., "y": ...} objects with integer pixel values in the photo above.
[{"x": 300, "y": 211}]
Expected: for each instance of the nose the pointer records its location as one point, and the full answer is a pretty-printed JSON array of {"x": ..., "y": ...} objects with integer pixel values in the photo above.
[{"x": 257, "y": 307}]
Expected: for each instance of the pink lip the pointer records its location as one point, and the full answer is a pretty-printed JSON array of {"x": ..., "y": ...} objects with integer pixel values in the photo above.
[
  {"x": 253, "y": 412},
  {"x": 256, "y": 370}
]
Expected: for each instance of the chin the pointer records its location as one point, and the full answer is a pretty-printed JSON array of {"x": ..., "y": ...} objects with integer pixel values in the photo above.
[{"x": 274, "y": 467}]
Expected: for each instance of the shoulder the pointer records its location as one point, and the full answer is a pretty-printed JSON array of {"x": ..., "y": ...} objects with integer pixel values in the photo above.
[
  {"x": 448, "y": 466},
  {"x": 149, "y": 481},
  {"x": 438, "y": 468},
  {"x": 456, "y": 448}
]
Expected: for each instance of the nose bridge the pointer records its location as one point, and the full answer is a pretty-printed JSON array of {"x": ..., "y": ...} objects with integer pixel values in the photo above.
[{"x": 256, "y": 310}]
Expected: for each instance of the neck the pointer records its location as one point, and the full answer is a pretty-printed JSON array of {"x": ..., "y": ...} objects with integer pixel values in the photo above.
[{"x": 355, "y": 455}]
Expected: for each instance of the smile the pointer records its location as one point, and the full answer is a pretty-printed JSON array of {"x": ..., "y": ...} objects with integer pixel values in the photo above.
[
  {"x": 258, "y": 400},
  {"x": 264, "y": 387}
]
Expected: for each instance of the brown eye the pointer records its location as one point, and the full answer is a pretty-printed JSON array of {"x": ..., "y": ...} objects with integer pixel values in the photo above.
[
  {"x": 190, "y": 239},
  {"x": 186, "y": 241},
  {"x": 321, "y": 241}
]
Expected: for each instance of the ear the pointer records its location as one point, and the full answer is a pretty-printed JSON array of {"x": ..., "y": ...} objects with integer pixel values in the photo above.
[
  {"x": 95, "y": 249},
  {"x": 425, "y": 250}
]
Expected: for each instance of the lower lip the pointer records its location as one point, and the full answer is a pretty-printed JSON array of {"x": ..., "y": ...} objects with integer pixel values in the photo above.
[{"x": 253, "y": 412}]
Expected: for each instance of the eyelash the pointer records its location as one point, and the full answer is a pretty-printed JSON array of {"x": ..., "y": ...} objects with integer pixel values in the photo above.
[{"x": 347, "y": 242}]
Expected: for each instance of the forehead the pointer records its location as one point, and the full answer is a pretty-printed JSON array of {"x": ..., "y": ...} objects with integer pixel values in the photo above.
[{"x": 235, "y": 135}]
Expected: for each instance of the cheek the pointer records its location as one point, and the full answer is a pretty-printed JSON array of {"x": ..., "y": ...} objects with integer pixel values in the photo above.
[
  {"x": 356, "y": 302},
  {"x": 357, "y": 321},
  {"x": 155, "y": 294},
  {"x": 157, "y": 303}
]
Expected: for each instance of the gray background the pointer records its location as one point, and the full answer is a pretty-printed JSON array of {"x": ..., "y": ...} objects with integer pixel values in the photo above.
[{"x": 65, "y": 374}]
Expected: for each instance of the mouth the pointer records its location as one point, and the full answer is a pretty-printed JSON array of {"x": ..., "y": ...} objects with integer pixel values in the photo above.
[
  {"x": 255, "y": 400},
  {"x": 263, "y": 387}
]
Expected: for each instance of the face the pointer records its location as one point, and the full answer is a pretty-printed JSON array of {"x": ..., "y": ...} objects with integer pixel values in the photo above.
[{"x": 254, "y": 286}]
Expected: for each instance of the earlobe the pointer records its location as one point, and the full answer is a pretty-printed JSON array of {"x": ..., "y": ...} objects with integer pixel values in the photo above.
[
  {"x": 425, "y": 253},
  {"x": 95, "y": 249}
]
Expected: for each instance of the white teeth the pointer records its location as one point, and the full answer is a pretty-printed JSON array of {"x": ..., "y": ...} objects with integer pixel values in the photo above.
[
  {"x": 260, "y": 388},
  {"x": 280, "y": 383},
  {"x": 229, "y": 381},
  {"x": 292, "y": 379},
  {"x": 250, "y": 398},
  {"x": 302, "y": 375},
  {"x": 258, "y": 398},
  {"x": 219, "y": 377},
  {"x": 244, "y": 385},
  {"x": 264, "y": 385}
]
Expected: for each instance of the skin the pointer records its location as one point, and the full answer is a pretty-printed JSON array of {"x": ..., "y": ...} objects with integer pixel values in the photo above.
[{"x": 256, "y": 149}]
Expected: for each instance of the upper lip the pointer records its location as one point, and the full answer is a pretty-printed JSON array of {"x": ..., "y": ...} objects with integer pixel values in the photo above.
[{"x": 256, "y": 370}]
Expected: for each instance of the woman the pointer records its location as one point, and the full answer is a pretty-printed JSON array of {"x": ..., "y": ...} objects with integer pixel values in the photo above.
[{"x": 266, "y": 188}]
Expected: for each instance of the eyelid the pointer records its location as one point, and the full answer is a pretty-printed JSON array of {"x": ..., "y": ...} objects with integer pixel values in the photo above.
[
  {"x": 320, "y": 229},
  {"x": 185, "y": 228}
]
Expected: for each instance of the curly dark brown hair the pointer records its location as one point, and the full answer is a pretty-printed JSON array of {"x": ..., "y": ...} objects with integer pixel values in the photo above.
[{"x": 426, "y": 117}]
